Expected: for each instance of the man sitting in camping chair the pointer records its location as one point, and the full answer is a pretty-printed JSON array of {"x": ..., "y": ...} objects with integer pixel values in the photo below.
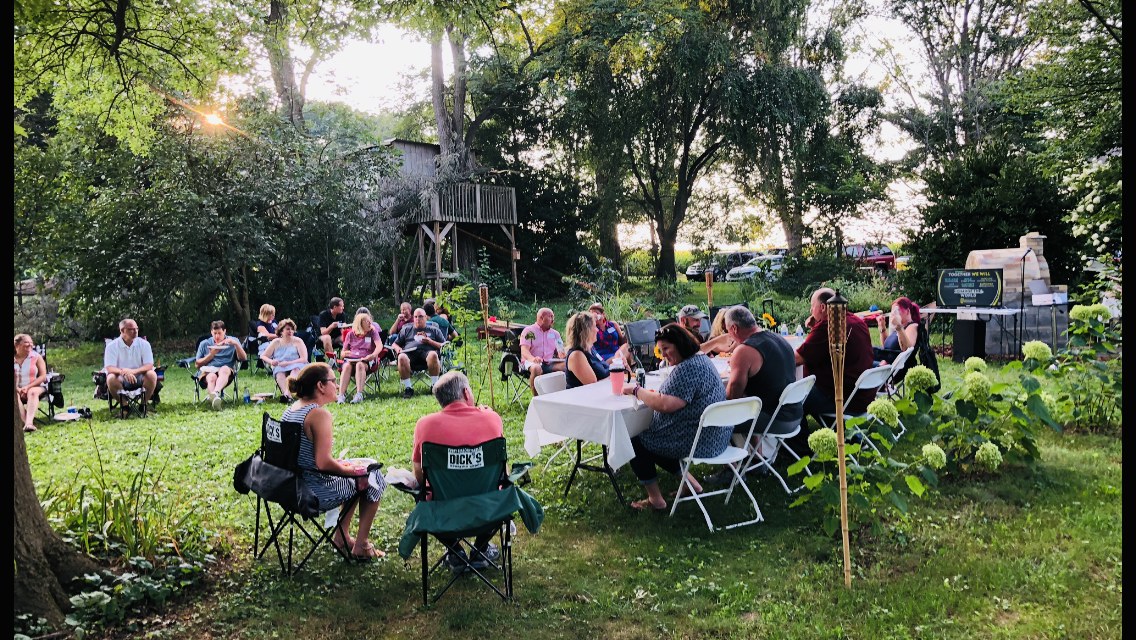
[
  {"x": 417, "y": 347},
  {"x": 217, "y": 361},
  {"x": 129, "y": 363},
  {"x": 460, "y": 422},
  {"x": 542, "y": 348}
]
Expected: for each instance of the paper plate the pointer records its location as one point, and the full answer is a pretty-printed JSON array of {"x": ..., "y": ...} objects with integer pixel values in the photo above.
[
  {"x": 67, "y": 417},
  {"x": 261, "y": 396}
]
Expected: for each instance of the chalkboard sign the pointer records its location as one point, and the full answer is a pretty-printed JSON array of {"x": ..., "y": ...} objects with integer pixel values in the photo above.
[{"x": 970, "y": 287}]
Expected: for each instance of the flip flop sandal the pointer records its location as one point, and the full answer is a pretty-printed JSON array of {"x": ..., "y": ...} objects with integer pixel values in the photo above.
[
  {"x": 643, "y": 505},
  {"x": 28, "y": 428},
  {"x": 371, "y": 554}
]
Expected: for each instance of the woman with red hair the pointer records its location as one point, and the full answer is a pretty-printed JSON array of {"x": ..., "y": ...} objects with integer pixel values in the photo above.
[{"x": 900, "y": 329}]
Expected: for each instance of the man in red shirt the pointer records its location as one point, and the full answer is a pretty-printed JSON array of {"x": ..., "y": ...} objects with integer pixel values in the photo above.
[
  {"x": 460, "y": 422},
  {"x": 814, "y": 355}
]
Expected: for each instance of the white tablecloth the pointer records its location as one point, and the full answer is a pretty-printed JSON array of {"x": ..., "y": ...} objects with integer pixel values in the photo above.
[{"x": 591, "y": 413}]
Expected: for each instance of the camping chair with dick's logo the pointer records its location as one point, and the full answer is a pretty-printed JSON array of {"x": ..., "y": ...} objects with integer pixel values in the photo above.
[{"x": 469, "y": 495}]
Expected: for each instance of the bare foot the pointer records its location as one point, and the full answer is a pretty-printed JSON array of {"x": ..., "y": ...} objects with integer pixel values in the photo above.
[{"x": 640, "y": 505}]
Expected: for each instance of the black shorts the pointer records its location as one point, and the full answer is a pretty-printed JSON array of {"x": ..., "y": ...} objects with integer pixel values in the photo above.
[{"x": 418, "y": 359}]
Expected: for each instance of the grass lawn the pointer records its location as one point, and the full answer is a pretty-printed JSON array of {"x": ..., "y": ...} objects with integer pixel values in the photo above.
[{"x": 1028, "y": 553}]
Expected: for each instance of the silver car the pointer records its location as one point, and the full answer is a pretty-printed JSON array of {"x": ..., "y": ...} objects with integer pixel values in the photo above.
[{"x": 765, "y": 265}]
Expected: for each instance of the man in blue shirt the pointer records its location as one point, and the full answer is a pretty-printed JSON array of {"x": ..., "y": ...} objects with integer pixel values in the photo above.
[{"x": 217, "y": 361}]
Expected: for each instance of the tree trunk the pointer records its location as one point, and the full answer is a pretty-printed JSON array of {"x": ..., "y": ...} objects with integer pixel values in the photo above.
[
  {"x": 665, "y": 265},
  {"x": 438, "y": 96},
  {"x": 280, "y": 60},
  {"x": 44, "y": 564}
]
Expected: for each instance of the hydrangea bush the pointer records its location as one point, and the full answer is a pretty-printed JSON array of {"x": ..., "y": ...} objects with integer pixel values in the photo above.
[{"x": 974, "y": 363}]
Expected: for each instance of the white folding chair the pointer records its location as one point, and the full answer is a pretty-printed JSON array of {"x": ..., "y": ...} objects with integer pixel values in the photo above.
[
  {"x": 893, "y": 388},
  {"x": 547, "y": 383},
  {"x": 873, "y": 379},
  {"x": 794, "y": 393},
  {"x": 721, "y": 415}
]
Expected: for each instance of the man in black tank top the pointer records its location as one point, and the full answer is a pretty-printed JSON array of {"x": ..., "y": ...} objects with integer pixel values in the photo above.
[{"x": 761, "y": 366}]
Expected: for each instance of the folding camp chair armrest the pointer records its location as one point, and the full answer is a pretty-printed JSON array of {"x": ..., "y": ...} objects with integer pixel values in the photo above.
[
  {"x": 519, "y": 474},
  {"x": 417, "y": 493},
  {"x": 186, "y": 363}
]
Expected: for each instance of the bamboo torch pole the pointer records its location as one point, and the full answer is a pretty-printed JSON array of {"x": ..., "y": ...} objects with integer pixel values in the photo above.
[
  {"x": 837, "y": 343},
  {"x": 483, "y": 298},
  {"x": 709, "y": 289}
]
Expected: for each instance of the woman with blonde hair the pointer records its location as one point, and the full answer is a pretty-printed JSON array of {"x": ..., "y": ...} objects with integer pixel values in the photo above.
[
  {"x": 31, "y": 373},
  {"x": 362, "y": 345},
  {"x": 583, "y": 364},
  {"x": 314, "y": 388},
  {"x": 285, "y": 354}
]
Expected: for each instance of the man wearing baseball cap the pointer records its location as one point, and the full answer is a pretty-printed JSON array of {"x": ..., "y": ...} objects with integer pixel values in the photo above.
[{"x": 690, "y": 318}]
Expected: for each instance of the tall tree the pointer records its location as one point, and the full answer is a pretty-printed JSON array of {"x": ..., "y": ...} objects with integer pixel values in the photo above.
[
  {"x": 121, "y": 61},
  {"x": 968, "y": 47}
]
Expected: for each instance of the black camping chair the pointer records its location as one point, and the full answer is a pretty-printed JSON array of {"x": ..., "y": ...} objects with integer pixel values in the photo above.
[
  {"x": 252, "y": 344},
  {"x": 516, "y": 379},
  {"x": 468, "y": 493},
  {"x": 199, "y": 380},
  {"x": 52, "y": 397},
  {"x": 295, "y": 526}
]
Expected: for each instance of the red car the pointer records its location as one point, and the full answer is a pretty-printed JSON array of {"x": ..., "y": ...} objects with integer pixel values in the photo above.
[{"x": 877, "y": 256}]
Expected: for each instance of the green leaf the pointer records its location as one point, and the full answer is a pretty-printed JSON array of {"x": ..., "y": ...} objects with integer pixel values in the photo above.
[
  {"x": 1030, "y": 384},
  {"x": 798, "y": 466},
  {"x": 913, "y": 483},
  {"x": 830, "y": 525},
  {"x": 813, "y": 481},
  {"x": 898, "y": 500}
]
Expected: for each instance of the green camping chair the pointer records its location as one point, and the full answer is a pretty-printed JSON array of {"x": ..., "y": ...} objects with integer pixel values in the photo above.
[{"x": 468, "y": 493}]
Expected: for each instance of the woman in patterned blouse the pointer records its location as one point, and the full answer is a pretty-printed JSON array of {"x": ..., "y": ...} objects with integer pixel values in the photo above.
[{"x": 692, "y": 385}]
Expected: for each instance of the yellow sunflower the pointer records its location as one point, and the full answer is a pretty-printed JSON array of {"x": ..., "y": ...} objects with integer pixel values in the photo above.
[{"x": 769, "y": 321}]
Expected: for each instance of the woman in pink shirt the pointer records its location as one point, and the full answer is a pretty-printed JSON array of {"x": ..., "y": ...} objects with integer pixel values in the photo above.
[{"x": 362, "y": 346}]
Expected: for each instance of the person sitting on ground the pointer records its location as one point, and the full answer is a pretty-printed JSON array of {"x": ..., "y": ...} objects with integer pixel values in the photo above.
[
  {"x": 362, "y": 346},
  {"x": 217, "y": 361},
  {"x": 460, "y": 422},
  {"x": 404, "y": 317},
  {"x": 761, "y": 366},
  {"x": 314, "y": 387},
  {"x": 584, "y": 365},
  {"x": 814, "y": 356},
  {"x": 898, "y": 330},
  {"x": 692, "y": 386},
  {"x": 720, "y": 340},
  {"x": 690, "y": 318},
  {"x": 417, "y": 347},
  {"x": 128, "y": 361},
  {"x": 609, "y": 337},
  {"x": 31, "y": 373},
  {"x": 285, "y": 354},
  {"x": 266, "y": 327},
  {"x": 542, "y": 349},
  {"x": 332, "y": 321},
  {"x": 442, "y": 322}
]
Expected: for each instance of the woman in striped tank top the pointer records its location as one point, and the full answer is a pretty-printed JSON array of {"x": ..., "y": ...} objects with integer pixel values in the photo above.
[{"x": 314, "y": 387}]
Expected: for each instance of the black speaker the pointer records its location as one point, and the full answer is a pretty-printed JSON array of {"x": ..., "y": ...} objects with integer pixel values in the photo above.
[{"x": 970, "y": 339}]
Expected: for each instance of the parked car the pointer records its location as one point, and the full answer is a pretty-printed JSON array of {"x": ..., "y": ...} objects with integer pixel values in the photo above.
[
  {"x": 765, "y": 265},
  {"x": 720, "y": 265},
  {"x": 876, "y": 256}
]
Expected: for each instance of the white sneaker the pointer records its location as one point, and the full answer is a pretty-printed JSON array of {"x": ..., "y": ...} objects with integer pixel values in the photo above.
[
  {"x": 216, "y": 402},
  {"x": 340, "y": 398},
  {"x": 357, "y": 398}
]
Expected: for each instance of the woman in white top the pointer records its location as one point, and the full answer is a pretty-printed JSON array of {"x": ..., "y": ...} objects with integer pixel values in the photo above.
[
  {"x": 31, "y": 373},
  {"x": 285, "y": 355}
]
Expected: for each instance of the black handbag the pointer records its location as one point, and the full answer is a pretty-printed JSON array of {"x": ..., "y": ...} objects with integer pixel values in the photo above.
[{"x": 275, "y": 484}]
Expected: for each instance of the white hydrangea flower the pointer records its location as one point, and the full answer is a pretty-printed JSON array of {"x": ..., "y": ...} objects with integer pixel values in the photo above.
[{"x": 1089, "y": 207}]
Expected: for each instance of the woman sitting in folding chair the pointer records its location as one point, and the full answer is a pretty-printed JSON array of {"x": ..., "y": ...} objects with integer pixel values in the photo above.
[
  {"x": 31, "y": 373},
  {"x": 315, "y": 387},
  {"x": 362, "y": 346},
  {"x": 285, "y": 354},
  {"x": 692, "y": 386},
  {"x": 266, "y": 328},
  {"x": 585, "y": 365}
]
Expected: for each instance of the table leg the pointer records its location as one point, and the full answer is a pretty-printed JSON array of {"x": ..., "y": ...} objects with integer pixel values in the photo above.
[{"x": 605, "y": 469}]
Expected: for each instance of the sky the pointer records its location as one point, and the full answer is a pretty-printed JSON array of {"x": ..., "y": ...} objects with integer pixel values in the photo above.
[{"x": 368, "y": 76}]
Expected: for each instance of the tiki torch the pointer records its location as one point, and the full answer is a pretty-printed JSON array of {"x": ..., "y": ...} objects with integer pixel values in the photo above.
[
  {"x": 837, "y": 343},
  {"x": 483, "y": 298},
  {"x": 709, "y": 289}
]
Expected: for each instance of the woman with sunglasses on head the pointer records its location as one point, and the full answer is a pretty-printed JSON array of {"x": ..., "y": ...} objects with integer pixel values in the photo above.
[
  {"x": 692, "y": 385},
  {"x": 314, "y": 388}
]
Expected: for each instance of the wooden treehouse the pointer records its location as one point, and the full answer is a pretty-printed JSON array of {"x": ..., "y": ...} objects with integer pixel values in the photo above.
[{"x": 469, "y": 209}]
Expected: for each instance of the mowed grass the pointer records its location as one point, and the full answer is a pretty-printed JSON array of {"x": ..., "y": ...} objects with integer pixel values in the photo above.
[{"x": 1029, "y": 553}]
